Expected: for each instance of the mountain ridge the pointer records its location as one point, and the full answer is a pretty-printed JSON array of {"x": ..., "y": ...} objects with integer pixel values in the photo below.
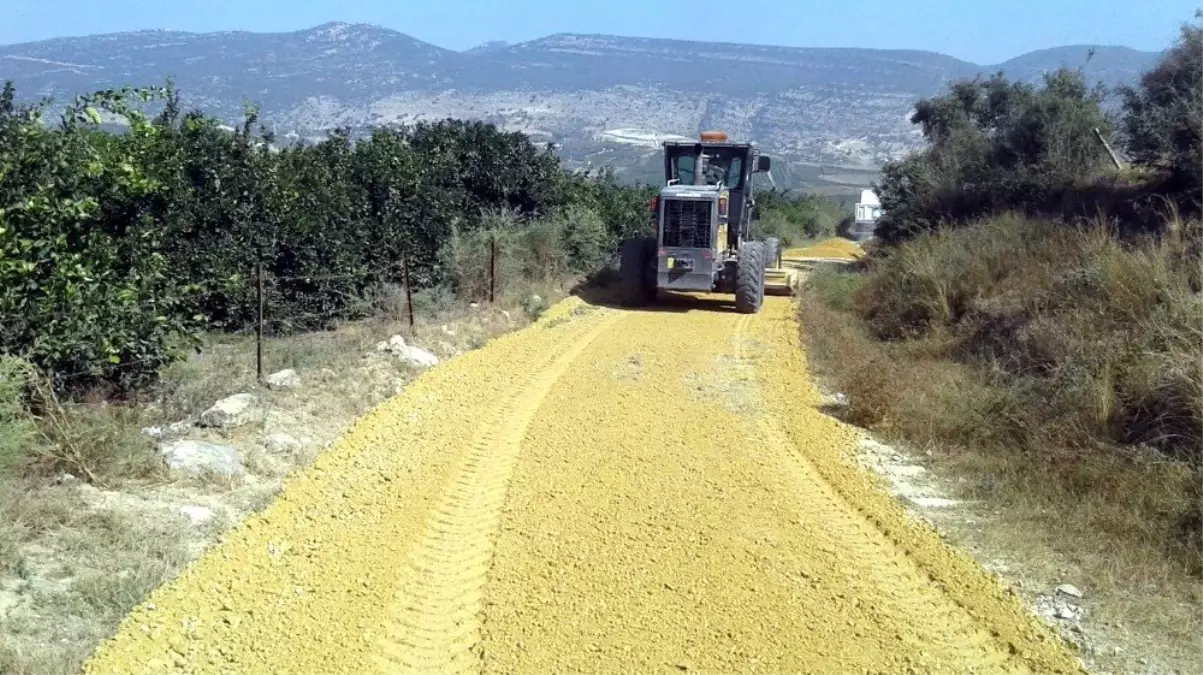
[{"x": 599, "y": 96}]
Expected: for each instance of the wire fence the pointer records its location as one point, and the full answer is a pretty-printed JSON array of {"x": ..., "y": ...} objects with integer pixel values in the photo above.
[
  {"x": 267, "y": 319},
  {"x": 265, "y": 281}
]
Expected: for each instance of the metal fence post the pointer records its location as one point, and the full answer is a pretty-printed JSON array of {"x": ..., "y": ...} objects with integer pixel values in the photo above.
[
  {"x": 262, "y": 320},
  {"x": 409, "y": 295},
  {"x": 492, "y": 268}
]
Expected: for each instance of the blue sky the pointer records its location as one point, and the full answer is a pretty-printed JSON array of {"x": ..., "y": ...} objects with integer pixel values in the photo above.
[{"x": 983, "y": 31}]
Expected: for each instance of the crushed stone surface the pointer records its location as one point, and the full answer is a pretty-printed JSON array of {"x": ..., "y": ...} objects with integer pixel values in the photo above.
[{"x": 605, "y": 491}]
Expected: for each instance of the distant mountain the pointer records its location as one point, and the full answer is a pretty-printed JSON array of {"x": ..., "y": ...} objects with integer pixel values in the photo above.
[
  {"x": 491, "y": 46},
  {"x": 601, "y": 97}
]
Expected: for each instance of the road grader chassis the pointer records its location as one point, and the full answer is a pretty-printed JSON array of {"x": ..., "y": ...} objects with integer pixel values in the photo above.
[{"x": 702, "y": 217}]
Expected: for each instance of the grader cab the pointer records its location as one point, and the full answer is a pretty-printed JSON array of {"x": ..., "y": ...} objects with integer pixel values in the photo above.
[{"x": 702, "y": 241}]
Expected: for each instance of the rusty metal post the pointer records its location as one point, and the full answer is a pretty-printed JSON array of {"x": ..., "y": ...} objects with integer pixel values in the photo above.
[
  {"x": 493, "y": 268},
  {"x": 409, "y": 295},
  {"x": 259, "y": 329}
]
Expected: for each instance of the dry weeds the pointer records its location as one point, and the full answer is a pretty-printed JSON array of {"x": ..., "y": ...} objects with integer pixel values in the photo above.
[
  {"x": 1114, "y": 517},
  {"x": 76, "y": 555}
]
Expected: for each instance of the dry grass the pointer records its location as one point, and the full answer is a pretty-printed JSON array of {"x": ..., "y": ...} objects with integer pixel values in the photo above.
[
  {"x": 76, "y": 556},
  {"x": 78, "y": 571},
  {"x": 1056, "y": 373}
]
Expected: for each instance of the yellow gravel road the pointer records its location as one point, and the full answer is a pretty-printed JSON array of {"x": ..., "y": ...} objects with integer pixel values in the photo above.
[{"x": 606, "y": 491}]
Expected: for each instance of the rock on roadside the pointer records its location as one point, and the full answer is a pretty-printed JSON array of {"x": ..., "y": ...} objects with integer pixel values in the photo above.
[
  {"x": 195, "y": 458},
  {"x": 414, "y": 356},
  {"x": 284, "y": 379},
  {"x": 230, "y": 412},
  {"x": 197, "y": 514},
  {"x": 282, "y": 443},
  {"x": 1070, "y": 590}
]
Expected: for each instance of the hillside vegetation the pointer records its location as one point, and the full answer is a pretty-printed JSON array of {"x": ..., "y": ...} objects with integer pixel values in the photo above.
[
  {"x": 118, "y": 252},
  {"x": 1033, "y": 313}
]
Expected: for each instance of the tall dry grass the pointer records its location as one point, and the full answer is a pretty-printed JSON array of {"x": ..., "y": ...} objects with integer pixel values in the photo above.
[{"x": 1062, "y": 363}]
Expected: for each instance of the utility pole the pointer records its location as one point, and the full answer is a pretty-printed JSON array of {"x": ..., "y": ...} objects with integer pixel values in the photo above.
[{"x": 1107, "y": 146}]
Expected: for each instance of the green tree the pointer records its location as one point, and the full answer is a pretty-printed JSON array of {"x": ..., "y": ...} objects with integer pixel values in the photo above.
[
  {"x": 994, "y": 145},
  {"x": 1163, "y": 115}
]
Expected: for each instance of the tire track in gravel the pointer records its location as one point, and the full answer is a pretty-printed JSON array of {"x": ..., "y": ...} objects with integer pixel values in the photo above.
[
  {"x": 679, "y": 509},
  {"x": 945, "y": 625},
  {"x": 309, "y": 584},
  {"x": 791, "y": 398},
  {"x": 435, "y": 627}
]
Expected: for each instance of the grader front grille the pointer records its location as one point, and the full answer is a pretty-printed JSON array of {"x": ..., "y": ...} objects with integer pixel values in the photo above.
[{"x": 687, "y": 223}]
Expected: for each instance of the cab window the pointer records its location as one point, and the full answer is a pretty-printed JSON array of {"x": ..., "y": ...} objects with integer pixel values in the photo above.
[
  {"x": 683, "y": 169},
  {"x": 729, "y": 166}
]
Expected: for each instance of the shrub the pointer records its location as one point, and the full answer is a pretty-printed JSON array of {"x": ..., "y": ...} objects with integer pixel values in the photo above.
[
  {"x": 1161, "y": 116},
  {"x": 796, "y": 218},
  {"x": 116, "y": 249},
  {"x": 587, "y": 241},
  {"x": 994, "y": 146},
  {"x": 1060, "y": 365}
]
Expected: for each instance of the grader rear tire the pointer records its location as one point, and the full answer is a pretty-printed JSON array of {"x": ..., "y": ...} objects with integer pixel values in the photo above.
[
  {"x": 772, "y": 252},
  {"x": 749, "y": 278},
  {"x": 636, "y": 283}
]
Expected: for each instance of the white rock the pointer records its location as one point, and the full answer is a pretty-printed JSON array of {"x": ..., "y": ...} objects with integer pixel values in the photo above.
[
  {"x": 1070, "y": 590},
  {"x": 64, "y": 478},
  {"x": 474, "y": 305},
  {"x": 230, "y": 412},
  {"x": 284, "y": 379},
  {"x": 395, "y": 344},
  {"x": 834, "y": 401},
  {"x": 197, "y": 457},
  {"x": 418, "y": 357},
  {"x": 1068, "y": 612},
  {"x": 281, "y": 443},
  {"x": 173, "y": 429},
  {"x": 197, "y": 514},
  {"x": 505, "y": 314}
]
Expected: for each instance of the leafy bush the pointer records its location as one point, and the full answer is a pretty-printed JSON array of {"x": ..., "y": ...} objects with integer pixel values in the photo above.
[
  {"x": 115, "y": 250},
  {"x": 588, "y": 243},
  {"x": 1162, "y": 115},
  {"x": 796, "y": 218},
  {"x": 994, "y": 146}
]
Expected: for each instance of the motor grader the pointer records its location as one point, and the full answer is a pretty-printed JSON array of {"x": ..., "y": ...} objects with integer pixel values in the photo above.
[{"x": 702, "y": 217}]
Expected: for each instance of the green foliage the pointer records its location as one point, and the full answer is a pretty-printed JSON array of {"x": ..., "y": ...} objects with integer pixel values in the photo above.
[
  {"x": 588, "y": 242},
  {"x": 995, "y": 145},
  {"x": 115, "y": 249},
  {"x": 1162, "y": 115},
  {"x": 17, "y": 430},
  {"x": 836, "y": 288},
  {"x": 85, "y": 281},
  {"x": 794, "y": 218}
]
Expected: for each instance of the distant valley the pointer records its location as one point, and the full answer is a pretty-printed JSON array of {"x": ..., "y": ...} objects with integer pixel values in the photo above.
[{"x": 831, "y": 116}]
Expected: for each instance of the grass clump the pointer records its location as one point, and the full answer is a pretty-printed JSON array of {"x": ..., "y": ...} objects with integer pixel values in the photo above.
[{"x": 18, "y": 433}]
